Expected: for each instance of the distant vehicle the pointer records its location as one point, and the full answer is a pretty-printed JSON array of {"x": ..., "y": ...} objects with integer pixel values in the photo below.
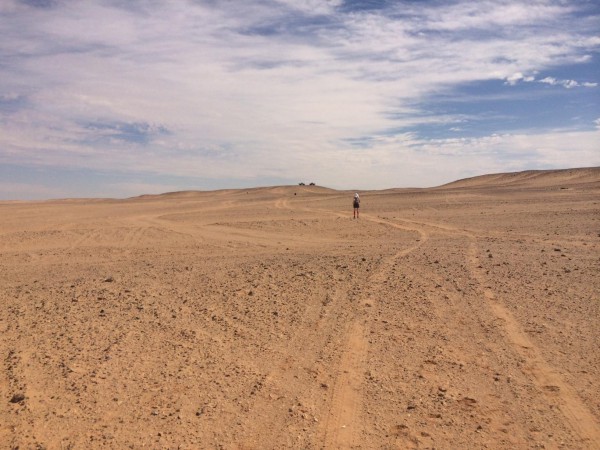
[
  {"x": 312, "y": 184},
  {"x": 301, "y": 184}
]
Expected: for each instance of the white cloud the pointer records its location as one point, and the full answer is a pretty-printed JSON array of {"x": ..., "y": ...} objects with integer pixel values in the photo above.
[
  {"x": 517, "y": 77},
  {"x": 312, "y": 7},
  {"x": 569, "y": 84},
  {"x": 549, "y": 80},
  {"x": 493, "y": 14},
  {"x": 258, "y": 90},
  {"x": 418, "y": 162}
]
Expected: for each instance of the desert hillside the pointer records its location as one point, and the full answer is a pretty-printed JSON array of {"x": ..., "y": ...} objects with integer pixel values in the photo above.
[
  {"x": 534, "y": 178},
  {"x": 464, "y": 316}
]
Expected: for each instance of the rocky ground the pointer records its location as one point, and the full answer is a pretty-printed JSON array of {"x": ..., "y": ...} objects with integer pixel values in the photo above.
[{"x": 464, "y": 316}]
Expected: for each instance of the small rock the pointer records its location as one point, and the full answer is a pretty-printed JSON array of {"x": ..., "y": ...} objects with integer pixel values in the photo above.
[
  {"x": 109, "y": 280},
  {"x": 18, "y": 397}
]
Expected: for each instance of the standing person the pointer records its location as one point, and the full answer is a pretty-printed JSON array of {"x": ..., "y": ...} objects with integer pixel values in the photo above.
[{"x": 356, "y": 205}]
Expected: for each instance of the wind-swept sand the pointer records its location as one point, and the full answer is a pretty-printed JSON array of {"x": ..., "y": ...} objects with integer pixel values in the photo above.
[{"x": 465, "y": 316}]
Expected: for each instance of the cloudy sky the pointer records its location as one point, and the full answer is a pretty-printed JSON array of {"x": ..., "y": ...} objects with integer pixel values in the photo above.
[{"x": 124, "y": 97}]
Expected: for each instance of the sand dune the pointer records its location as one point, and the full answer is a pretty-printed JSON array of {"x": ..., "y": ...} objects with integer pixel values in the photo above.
[
  {"x": 464, "y": 316},
  {"x": 533, "y": 178}
]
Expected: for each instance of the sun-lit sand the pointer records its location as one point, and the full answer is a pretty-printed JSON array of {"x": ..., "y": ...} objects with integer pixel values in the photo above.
[{"x": 459, "y": 317}]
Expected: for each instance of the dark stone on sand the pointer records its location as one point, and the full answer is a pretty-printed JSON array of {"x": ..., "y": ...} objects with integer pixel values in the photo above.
[{"x": 17, "y": 398}]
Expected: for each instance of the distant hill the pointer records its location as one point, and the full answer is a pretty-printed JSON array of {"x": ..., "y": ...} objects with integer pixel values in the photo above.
[
  {"x": 257, "y": 191},
  {"x": 543, "y": 179},
  {"x": 531, "y": 178}
]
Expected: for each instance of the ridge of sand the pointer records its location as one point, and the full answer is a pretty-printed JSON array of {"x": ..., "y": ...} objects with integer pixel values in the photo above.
[
  {"x": 256, "y": 191},
  {"x": 269, "y": 318},
  {"x": 531, "y": 178}
]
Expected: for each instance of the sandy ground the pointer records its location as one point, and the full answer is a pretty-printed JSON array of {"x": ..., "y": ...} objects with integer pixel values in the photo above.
[{"x": 460, "y": 317}]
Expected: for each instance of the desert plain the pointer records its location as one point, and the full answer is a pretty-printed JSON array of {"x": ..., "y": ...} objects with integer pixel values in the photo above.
[{"x": 459, "y": 317}]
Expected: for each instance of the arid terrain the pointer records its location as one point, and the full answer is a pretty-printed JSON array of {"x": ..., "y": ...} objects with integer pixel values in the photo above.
[{"x": 460, "y": 317}]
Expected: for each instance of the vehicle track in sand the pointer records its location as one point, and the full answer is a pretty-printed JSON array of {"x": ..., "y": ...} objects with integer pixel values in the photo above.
[
  {"x": 343, "y": 424},
  {"x": 343, "y": 416},
  {"x": 546, "y": 378}
]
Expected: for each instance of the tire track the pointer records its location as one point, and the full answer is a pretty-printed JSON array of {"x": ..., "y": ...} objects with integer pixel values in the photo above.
[
  {"x": 342, "y": 426},
  {"x": 547, "y": 379},
  {"x": 303, "y": 353}
]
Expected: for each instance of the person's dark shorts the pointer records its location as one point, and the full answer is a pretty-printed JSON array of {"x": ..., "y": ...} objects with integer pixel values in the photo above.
[{"x": 356, "y": 205}]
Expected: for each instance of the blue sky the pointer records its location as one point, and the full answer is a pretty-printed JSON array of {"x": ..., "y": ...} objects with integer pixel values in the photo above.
[{"x": 116, "y": 98}]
